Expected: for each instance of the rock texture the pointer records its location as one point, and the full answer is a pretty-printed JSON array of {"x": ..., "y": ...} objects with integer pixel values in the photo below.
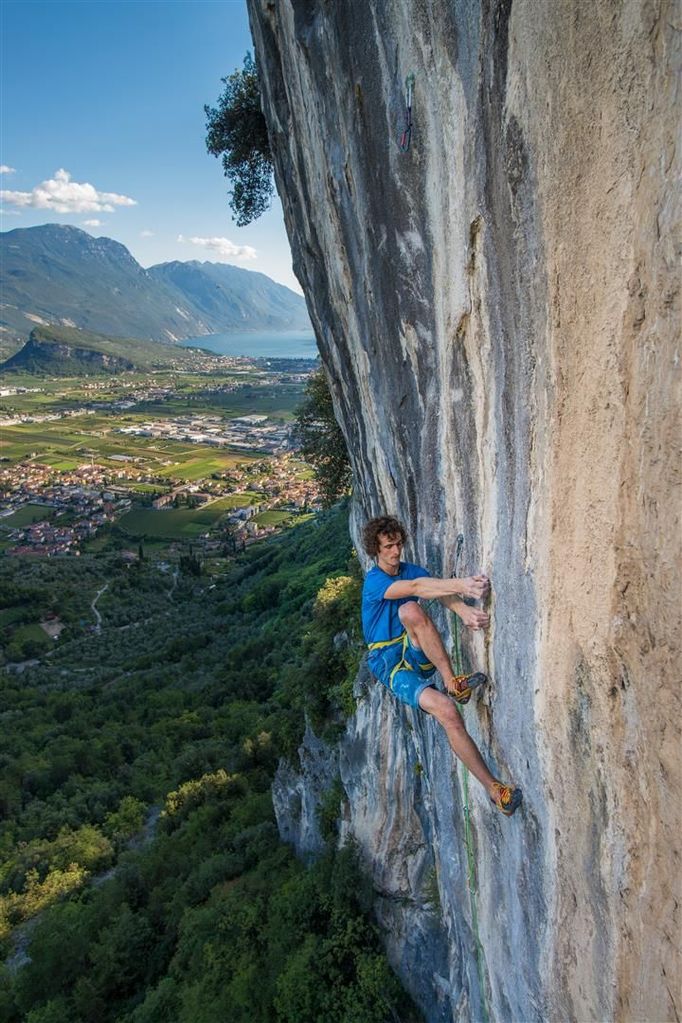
[
  {"x": 298, "y": 794},
  {"x": 498, "y": 313}
]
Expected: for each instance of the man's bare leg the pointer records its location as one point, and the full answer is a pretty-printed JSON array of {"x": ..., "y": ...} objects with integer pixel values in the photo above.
[
  {"x": 461, "y": 743},
  {"x": 424, "y": 634}
]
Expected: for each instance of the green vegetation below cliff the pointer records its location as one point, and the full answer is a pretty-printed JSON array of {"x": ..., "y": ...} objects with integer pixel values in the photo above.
[{"x": 183, "y": 703}]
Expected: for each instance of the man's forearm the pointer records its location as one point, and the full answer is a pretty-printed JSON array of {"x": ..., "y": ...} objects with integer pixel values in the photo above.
[
  {"x": 476, "y": 587},
  {"x": 428, "y": 588}
]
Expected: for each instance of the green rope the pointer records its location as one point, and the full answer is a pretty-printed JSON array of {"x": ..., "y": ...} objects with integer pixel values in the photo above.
[{"x": 469, "y": 842}]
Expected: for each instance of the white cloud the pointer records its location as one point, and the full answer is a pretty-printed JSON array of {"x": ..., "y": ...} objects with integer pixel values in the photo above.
[
  {"x": 146, "y": 234},
  {"x": 62, "y": 195},
  {"x": 4, "y": 169},
  {"x": 93, "y": 223},
  {"x": 222, "y": 247}
]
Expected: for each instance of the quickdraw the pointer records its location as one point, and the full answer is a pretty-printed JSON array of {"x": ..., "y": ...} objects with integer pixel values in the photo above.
[{"x": 406, "y": 136}]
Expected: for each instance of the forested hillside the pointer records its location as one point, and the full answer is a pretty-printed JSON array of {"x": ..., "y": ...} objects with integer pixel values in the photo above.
[
  {"x": 69, "y": 352},
  {"x": 142, "y": 875}
]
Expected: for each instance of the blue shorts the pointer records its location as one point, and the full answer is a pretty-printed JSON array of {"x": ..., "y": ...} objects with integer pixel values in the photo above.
[{"x": 403, "y": 669}]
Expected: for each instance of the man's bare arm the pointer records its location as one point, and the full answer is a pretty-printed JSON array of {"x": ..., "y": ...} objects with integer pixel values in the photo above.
[{"x": 475, "y": 586}]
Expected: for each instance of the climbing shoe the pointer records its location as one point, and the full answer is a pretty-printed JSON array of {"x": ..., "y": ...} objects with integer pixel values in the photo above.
[
  {"x": 462, "y": 686},
  {"x": 506, "y": 799}
]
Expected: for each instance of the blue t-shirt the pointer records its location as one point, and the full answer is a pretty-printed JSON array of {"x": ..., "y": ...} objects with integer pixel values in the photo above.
[{"x": 380, "y": 619}]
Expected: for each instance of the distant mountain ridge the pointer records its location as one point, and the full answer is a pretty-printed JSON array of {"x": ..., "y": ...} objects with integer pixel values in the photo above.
[
  {"x": 67, "y": 351},
  {"x": 57, "y": 274},
  {"x": 232, "y": 296}
]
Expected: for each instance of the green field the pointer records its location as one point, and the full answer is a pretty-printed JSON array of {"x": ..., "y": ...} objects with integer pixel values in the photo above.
[
  {"x": 33, "y": 631},
  {"x": 239, "y": 500},
  {"x": 26, "y": 515},
  {"x": 181, "y": 523},
  {"x": 61, "y": 463},
  {"x": 68, "y": 442},
  {"x": 277, "y": 401},
  {"x": 303, "y": 470},
  {"x": 199, "y": 464},
  {"x": 144, "y": 488},
  {"x": 68, "y": 446},
  {"x": 173, "y": 524},
  {"x": 273, "y": 518}
]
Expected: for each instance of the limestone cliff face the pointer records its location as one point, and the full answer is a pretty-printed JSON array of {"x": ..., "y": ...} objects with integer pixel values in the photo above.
[{"x": 498, "y": 313}]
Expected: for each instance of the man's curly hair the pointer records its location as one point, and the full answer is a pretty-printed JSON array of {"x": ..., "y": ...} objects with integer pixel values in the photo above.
[{"x": 384, "y": 524}]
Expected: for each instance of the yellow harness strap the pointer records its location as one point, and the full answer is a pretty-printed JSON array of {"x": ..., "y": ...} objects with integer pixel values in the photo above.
[
  {"x": 388, "y": 642},
  {"x": 402, "y": 663}
]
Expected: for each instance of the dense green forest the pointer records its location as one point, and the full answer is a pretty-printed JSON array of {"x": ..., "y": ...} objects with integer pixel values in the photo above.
[{"x": 141, "y": 874}]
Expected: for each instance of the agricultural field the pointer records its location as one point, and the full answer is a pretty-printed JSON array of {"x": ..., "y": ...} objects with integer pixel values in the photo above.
[
  {"x": 147, "y": 488},
  {"x": 25, "y": 516},
  {"x": 65, "y": 445},
  {"x": 67, "y": 442},
  {"x": 278, "y": 401},
  {"x": 273, "y": 518},
  {"x": 199, "y": 462},
  {"x": 81, "y": 453},
  {"x": 181, "y": 523},
  {"x": 303, "y": 470},
  {"x": 61, "y": 463},
  {"x": 171, "y": 524}
]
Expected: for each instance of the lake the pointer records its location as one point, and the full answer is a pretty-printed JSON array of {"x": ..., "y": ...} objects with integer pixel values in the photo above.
[{"x": 287, "y": 344}]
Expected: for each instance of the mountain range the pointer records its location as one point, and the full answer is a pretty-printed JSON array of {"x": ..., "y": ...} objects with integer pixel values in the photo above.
[{"x": 60, "y": 275}]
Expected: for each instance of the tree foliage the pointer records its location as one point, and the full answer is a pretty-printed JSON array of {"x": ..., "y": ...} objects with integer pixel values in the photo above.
[
  {"x": 237, "y": 132},
  {"x": 322, "y": 442}
]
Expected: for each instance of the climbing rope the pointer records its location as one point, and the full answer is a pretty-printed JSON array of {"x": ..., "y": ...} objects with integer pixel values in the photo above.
[
  {"x": 406, "y": 136},
  {"x": 468, "y": 836}
]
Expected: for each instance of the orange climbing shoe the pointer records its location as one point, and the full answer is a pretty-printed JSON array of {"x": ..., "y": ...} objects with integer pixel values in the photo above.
[
  {"x": 506, "y": 799},
  {"x": 462, "y": 686}
]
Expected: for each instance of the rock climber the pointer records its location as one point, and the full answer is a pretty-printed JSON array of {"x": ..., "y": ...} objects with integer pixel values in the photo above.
[{"x": 406, "y": 648}]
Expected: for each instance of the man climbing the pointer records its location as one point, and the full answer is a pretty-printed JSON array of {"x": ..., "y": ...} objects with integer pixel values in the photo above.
[{"x": 406, "y": 648}]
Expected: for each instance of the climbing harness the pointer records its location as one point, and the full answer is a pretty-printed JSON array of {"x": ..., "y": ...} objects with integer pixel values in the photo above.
[
  {"x": 468, "y": 837},
  {"x": 406, "y": 136},
  {"x": 402, "y": 663}
]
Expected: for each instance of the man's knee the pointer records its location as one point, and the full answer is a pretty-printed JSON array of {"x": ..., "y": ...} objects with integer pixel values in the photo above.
[
  {"x": 441, "y": 707},
  {"x": 411, "y": 615}
]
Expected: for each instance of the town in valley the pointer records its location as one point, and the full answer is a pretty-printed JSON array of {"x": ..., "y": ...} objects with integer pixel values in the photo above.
[{"x": 164, "y": 458}]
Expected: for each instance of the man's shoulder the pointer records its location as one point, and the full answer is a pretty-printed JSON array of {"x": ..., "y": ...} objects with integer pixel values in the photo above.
[
  {"x": 375, "y": 582},
  {"x": 373, "y": 575},
  {"x": 410, "y": 570}
]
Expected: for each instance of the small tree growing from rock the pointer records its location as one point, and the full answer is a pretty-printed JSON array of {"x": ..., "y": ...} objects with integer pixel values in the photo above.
[{"x": 236, "y": 131}]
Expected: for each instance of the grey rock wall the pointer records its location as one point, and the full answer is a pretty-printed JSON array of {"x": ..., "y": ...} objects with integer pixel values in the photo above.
[
  {"x": 498, "y": 313},
  {"x": 298, "y": 793}
]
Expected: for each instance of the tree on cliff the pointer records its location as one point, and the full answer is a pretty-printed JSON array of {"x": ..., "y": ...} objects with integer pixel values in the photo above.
[
  {"x": 322, "y": 443},
  {"x": 236, "y": 130}
]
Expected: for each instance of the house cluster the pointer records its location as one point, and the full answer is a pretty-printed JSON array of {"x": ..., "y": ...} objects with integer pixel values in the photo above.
[
  {"x": 72, "y": 515},
  {"x": 248, "y": 433},
  {"x": 29, "y": 481},
  {"x": 6, "y": 392},
  {"x": 20, "y": 418}
]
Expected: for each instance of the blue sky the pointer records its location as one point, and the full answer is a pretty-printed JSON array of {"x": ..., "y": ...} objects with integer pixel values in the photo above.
[{"x": 112, "y": 94}]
